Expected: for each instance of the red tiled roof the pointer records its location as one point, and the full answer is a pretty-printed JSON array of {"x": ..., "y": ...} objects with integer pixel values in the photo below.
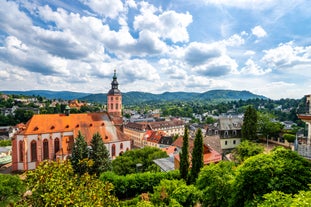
[{"x": 88, "y": 124}]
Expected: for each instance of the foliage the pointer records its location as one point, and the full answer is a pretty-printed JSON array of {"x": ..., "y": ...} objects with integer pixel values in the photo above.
[
  {"x": 126, "y": 164},
  {"x": 197, "y": 156},
  {"x": 23, "y": 116},
  {"x": 246, "y": 149},
  {"x": 249, "y": 128},
  {"x": 100, "y": 155},
  {"x": 11, "y": 189},
  {"x": 79, "y": 155},
  {"x": 267, "y": 127},
  {"x": 289, "y": 137},
  {"x": 215, "y": 183},
  {"x": 55, "y": 184},
  {"x": 280, "y": 170},
  {"x": 184, "y": 156},
  {"x": 4, "y": 143},
  {"x": 131, "y": 185},
  {"x": 177, "y": 192}
]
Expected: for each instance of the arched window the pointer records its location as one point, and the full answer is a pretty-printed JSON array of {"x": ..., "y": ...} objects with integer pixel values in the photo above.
[
  {"x": 45, "y": 149},
  {"x": 121, "y": 153},
  {"x": 111, "y": 106},
  {"x": 21, "y": 151},
  {"x": 117, "y": 106},
  {"x": 113, "y": 150},
  {"x": 121, "y": 146},
  {"x": 56, "y": 145},
  {"x": 33, "y": 149}
]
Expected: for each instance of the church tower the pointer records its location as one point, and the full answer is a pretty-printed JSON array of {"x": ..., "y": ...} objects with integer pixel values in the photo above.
[{"x": 114, "y": 98}]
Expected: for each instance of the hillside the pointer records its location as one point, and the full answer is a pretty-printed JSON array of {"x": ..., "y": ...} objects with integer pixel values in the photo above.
[{"x": 135, "y": 97}]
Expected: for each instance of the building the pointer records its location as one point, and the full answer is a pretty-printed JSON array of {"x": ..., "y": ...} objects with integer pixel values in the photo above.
[
  {"x": 136, "y": 131},
  {"x": 209, "y": 154},
  {"x": 157, "y": 139},
  {"x": 51, "y": 136},
  {"x": 114, "y": 98},
  {"x": 228, "y": 129}
]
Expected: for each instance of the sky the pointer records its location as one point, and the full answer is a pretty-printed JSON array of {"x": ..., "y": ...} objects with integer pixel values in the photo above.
[{"x": 262, "y": 46}]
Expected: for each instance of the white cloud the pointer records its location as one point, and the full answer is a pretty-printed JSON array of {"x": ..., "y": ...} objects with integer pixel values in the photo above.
[
  {"x": 106, "y": 8},
  {"x": 253, "y": 69},
  {"x": 245, "y": 4},
  {"x": 286, "y": 55},
  {"x": 259, "y": 32},
  {"x": 168, "y": 25}
]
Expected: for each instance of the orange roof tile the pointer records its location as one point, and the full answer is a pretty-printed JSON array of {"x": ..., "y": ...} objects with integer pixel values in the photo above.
[{"x": 87, "y": 123}]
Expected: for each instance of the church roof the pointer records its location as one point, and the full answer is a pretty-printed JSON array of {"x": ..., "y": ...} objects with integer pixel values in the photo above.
[{"x": 87, "y": 123}]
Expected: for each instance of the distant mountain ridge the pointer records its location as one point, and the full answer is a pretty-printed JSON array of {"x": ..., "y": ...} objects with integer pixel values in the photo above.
[{"x": 135, "y": 97}]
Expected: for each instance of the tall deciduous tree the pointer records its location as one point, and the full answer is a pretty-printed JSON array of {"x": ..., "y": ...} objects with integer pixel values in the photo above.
[
  {"x": 197, "y": 156},
  {"x": 184, "y": 156},
  {"x": 79, "y": 152},
  {"x": 100, "y": 155},
  {"x": 249, "y": 128}
]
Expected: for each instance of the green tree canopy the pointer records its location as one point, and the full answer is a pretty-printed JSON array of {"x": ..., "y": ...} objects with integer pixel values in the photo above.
[
  {"x": 215, "y": 183},
  {"x": 266, "y": 125},
  {"x": 55, "y": 184},
  {"x": 184, "y": 156},
  {"x": 245, "y": 150},
  {"x": 127, "y": 163},
  {"x": 249, "y": 128},
  {"x": 11, "y": 189},
  {"x": 280, "y": 170},
  {"x": 79, "y": 153},
  {"x": 197, "y": 156},
  {"x": 100, "y": 155}
]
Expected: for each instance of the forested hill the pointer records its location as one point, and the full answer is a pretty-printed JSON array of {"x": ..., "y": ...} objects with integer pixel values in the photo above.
[{"x": 130, "y": 98}]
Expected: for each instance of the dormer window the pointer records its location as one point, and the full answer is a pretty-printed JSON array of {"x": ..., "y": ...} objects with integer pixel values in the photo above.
[
  {"x": 91, "y": 125},
  {"x": 52, "y": 127},
  {"x": 77, "y": 125},
  {"x": 67, "y": 126},
  {"x": 36, "y": 128}
]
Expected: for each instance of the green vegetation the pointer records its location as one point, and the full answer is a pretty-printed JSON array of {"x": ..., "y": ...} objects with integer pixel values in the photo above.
[
  {"x": 138, "y": 160},
  {"x": 4, "y": 143},
  {"x": 131, "y": 185},
  {"x": 184, "y": 156},
  {"x": 249, "y": 127},
  {"x": 197, "y": 156},
  {"x": 245, "y": 150},
  {"x": 100, "y": 156},
  {"x": 56, "y": 184},
  {"x": 79, "y": 156},
  {"x": 11, "y": 189}
]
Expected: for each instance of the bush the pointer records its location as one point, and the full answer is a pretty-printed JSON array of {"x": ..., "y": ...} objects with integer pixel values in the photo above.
[
  {"x": 11, "y": 189},
  {"x": 131, "y": 185},
  {"x": 4, "y": 143},
  {"x": 289, "y": 137}
]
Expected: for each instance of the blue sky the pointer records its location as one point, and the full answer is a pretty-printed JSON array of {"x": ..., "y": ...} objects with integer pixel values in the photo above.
[{"x": 157, "y": 46}]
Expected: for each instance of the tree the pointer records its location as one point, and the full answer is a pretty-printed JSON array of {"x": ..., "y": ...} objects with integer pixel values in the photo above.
[
  {"x": 175, "y": 193},
  {"x": 266, "y": 127},
  {"x": 280, "y": 170},
  {"x": 79, "y": 153},
  {"x": 184, "y": 156},
  {"x": 56, "y": 184},
  {"x": 100, "y": 155},
  {"x": 249, "y": 128},
  {"x": 215, "y": 183},
  {"x": 245, "y": 150},
  {"x": 127, "y": 163},
  {"x": 197, "y": 156},
  {"x": 11, "y": 189}
]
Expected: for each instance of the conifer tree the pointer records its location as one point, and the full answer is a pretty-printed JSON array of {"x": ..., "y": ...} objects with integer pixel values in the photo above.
[
  {"x": 100, "y": 155},
  {"x": 197, "y": 156},
  {"x": 79, "y": 153},
  {"x": 184, "y": 156},
  {"x": 249, "y": 128}
]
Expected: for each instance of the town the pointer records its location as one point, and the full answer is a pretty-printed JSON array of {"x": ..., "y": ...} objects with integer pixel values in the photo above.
[{"x": 56, "y": 136}]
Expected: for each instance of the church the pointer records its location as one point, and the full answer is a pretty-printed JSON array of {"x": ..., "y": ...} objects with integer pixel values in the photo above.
[{"x": 51, "y": 136}]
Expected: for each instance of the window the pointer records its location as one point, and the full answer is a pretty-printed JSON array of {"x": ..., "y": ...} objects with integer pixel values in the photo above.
[
  {"x": 234, "y": 141},
  {"x": 33, "y": 149},
  {"x": 56, "y": 145},
  {"x": 117, "y": 98},
  {"x": 116, "y": 106},
  {"x": 226, "y": 142},
  {"x": 21, "y": 151},
  {"x": 113, "y": 150},
  {"x": 111, "y": 98},
  {"x": 121, "y": 146},
  {"x": 45, "y": 149},
  {"x": 111, "y": 106}
]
